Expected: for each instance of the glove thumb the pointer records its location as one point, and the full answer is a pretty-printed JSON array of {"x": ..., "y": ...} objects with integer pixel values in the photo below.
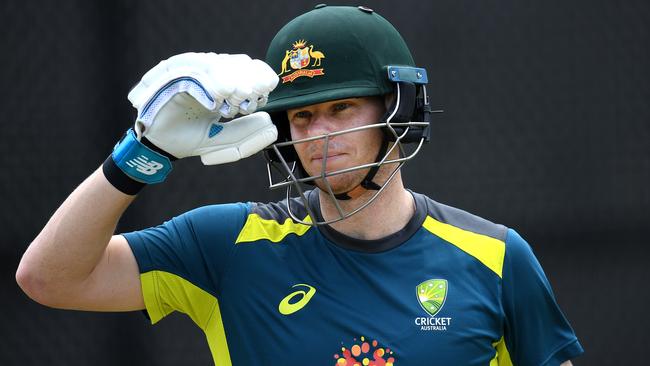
[{"x": 240, "y": 138}]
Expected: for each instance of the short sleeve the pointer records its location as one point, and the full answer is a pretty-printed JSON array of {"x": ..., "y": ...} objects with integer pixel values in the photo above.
[
  {"x": 536, "y": 330},
  {"x": 183, "y": 260}
]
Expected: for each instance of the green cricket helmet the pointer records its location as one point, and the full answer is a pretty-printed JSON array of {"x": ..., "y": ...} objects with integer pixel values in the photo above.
[{"x": 337, "y": 52}]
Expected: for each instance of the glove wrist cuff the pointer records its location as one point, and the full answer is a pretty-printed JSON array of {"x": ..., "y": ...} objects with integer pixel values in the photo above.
[{"x": 132, "y": 165}]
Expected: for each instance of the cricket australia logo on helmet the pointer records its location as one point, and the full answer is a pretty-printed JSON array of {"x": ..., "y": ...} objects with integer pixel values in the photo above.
[{"x": 301, "y": 60}]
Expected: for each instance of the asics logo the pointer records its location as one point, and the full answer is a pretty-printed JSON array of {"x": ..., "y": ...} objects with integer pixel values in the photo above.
[
  {"x": 144, "y": 166},
  {"x": 287, "y": 307}
]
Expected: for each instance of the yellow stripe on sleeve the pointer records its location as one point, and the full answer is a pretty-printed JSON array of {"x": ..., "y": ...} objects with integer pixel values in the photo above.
[
  {"x": 257, "y": 228},
  {"x": 487, "y": 250},
  {"x": 165, "y": 293},
  {"x": 502, "y": 356}
]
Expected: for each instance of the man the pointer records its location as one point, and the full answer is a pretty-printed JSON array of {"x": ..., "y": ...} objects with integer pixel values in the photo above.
[{"x": 356, "y": 271}]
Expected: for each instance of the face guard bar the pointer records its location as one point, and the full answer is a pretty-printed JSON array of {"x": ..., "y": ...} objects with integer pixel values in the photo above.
[{"x": 398, "y": 128}]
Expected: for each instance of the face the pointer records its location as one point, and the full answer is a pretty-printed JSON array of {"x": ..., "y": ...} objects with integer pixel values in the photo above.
[{"x": 345, "y": 150}]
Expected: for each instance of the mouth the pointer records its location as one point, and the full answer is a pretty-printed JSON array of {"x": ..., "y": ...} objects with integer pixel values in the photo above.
[{"x": 330, "y": 157}]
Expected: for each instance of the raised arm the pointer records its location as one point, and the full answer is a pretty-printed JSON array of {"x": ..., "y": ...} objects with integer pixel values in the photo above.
[{"x": 76, "y": 262}]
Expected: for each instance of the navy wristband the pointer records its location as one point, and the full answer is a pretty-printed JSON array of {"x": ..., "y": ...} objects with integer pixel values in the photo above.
[{"x": 134, "y": 164}]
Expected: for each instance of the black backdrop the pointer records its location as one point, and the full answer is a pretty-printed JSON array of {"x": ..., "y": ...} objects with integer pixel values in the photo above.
[{"x": 546, "y": 129}]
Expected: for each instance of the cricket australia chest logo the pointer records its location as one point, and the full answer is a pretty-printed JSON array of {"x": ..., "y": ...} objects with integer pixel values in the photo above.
[
  {"x": 431, "y": 295},
  {"x": 301, "y": 60}
]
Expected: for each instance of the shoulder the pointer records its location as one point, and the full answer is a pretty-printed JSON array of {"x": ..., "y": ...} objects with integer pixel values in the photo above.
[
  {"x": 461, "y": 219},
  {"x": 222, "y": 213},
  {"x": 279, "y": 211},
  {"x": 273, "y": 221},
  {"x": 500, "y": 248},
  {"x": 469, "y": 222},
  {"x": 474, "y": 235}
]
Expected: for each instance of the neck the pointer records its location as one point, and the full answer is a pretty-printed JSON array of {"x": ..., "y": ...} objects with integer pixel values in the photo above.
[{"x": 387, "y": 214}]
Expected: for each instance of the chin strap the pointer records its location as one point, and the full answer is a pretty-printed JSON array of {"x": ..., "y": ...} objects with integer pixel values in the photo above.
[
  {"x": 401, "y": 110},
  {"x": 367, "y": 182}
]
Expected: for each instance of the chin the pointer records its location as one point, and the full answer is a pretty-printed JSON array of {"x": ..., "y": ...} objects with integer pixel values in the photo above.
[{"x": 343, "y": 182}]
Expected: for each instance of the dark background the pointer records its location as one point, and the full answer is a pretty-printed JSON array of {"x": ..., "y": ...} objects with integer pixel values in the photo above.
[{"x": 546, "y": 129}]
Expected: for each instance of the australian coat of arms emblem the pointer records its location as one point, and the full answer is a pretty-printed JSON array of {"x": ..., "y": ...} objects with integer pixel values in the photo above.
[{"x": 301, "y": 60}]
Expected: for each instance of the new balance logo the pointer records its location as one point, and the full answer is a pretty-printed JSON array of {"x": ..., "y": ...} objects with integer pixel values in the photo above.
[{"x": 144, "y": 165}]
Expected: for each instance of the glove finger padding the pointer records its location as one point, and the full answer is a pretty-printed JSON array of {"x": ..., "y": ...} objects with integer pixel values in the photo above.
[{"x": 181, "y": 100}]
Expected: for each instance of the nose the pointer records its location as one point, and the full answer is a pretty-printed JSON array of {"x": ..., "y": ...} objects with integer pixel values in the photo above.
[{"x": 320, "y": 125}]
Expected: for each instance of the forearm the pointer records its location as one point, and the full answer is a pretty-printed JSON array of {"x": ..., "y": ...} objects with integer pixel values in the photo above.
[
  {"x": 73, "y": 241},
  {"x": 74, "y": 263}
]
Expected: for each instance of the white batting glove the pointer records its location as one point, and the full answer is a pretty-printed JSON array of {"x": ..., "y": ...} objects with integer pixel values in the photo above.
[{"x": 182, "y": 99}]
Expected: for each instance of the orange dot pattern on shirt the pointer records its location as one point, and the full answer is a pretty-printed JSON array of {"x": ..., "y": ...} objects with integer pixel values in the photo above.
[{"x": 364, "y": 353}]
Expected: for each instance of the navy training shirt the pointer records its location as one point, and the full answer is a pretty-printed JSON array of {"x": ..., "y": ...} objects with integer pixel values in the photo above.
[{"x": 450, "y": 288}]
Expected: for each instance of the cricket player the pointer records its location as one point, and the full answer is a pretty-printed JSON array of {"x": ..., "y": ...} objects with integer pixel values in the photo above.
[{"x": 351, "y": 268}]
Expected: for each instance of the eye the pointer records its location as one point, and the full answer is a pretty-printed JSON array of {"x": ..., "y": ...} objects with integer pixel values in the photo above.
[
  {"x": 341, "y": 106},
  {"x": 301, "y": 115},
  {"x": 300, "y": 118}
]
